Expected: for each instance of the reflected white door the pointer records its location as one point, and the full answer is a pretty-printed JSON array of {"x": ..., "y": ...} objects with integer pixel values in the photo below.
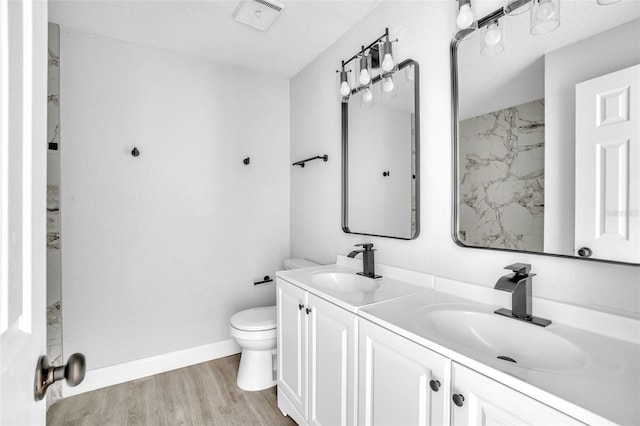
[
  {"x": 608, "y": 166},
  {"x": 23, "y": 93}
]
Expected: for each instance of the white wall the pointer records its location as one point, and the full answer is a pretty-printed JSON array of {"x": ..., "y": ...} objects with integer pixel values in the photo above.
[
  {"x": 564, "y": 68},
  {"x": 425, "y": 30},
  {"x": 160, "y": 250}
]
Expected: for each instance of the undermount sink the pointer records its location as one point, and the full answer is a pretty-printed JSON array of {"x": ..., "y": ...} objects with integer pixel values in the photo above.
[
  {"x": 343, "y": 281},
  {"x": 513, "y": 341}
]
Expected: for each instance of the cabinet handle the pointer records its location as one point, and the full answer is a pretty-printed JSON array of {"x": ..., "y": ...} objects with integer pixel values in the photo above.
[
  {"x": 300, "y": 306},
  {"x": 435, "y": 385},
  {"x": 458, "y": 399},
  {"x": 308, "y": 311}
]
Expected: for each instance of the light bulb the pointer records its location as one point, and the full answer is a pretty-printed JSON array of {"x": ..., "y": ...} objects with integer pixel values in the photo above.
[
  {"x": 364, "y": 77},
  {"x": 387, "y": 84},
  {"x": 493, "y": 35},
  {"x": 367, "y": 96},
  {"x": 344, "y": 88},
  {"x": 546, "y": 10},
  {"x": 388, "y": 63},
  {"x": 465, "y": 17}
]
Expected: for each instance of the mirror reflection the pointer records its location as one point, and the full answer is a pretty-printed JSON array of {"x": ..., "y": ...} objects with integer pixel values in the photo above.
[
  {"x": 380, "y": 143},
  {"x": 547, "y": 150}
]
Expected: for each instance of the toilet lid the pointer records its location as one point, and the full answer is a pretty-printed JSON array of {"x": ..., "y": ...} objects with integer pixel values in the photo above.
[{"x": 256, "y": 319}]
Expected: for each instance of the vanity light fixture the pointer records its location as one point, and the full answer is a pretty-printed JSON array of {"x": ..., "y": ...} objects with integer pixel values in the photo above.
[
  {"x": 377, "y": 55},
  {"x": 364, "y": 75},
  {"x": 465, "y": 16},
  {"x": 388, "y": 63},
  {"x": 344, "y": 87},
  {"x": 606, "y": 2},
  {"x": 545, "y": 16},
  {"x": 492, "y": 40}
]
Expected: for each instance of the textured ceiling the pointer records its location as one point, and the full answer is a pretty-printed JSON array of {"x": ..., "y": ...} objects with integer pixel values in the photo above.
[{"x": 207, "y": 29}]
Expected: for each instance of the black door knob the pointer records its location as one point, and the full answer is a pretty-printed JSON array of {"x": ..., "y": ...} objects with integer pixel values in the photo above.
[
  {"x": 435, "y": 385},
  {"x": 584, "y": 252},
  {"x": 458, "y": 399}
]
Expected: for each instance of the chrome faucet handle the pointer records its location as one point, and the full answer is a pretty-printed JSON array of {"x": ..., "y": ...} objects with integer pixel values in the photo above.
[{"x": 520, "y": 268}]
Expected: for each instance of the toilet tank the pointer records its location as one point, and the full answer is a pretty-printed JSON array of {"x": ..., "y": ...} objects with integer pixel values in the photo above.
[{"x": 298, "y": 263}]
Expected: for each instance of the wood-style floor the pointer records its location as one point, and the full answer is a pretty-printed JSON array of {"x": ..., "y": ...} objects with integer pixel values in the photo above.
[{"x": 203, "y": 394}]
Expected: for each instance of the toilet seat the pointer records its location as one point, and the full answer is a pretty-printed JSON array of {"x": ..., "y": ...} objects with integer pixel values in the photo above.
[{"x": 255, "y": 319}]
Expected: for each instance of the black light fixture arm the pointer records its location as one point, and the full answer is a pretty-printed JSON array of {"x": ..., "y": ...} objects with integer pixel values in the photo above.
[{"x": 364, "y": 49}]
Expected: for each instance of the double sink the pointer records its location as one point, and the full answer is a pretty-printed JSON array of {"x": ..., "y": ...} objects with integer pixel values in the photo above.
[{"x": 473, "y": 328}]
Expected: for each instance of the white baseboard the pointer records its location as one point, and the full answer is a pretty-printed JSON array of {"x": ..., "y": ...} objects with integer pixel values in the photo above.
[{"x": 120, "y": 373}]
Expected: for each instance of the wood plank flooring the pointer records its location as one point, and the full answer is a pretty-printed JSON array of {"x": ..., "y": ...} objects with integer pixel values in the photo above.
[{"x": 203, "y": 394}]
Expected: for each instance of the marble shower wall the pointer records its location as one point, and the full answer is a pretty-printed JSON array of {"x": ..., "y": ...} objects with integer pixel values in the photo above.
[
  {"x": 54, "y": 284},
  {"x": 501, "y": 175}
]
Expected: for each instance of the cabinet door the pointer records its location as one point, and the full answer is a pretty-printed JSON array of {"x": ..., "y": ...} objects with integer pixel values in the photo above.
[
  {"x": 487, "y": 402},
  {"x": 292, "y": 344},
  {"x": 332, "y": 364},
  {"x": 394, "y": 380}
]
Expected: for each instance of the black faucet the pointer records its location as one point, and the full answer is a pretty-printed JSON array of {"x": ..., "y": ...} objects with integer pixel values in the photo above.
[
  {"x": 519, "y": 285},
  {"x": 368, "y": 266}
]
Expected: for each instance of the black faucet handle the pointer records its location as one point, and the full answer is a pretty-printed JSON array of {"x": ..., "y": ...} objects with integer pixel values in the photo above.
[
  {"x": 519, "y": 268},
  {"x": 366, "y": 246}
]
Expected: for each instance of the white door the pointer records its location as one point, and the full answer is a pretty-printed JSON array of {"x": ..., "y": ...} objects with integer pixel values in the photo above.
[
  {"x": 23, "y": 117},
  {"x": 400, "y": 382},
  {"x": 292, "y": 346},
  {"x": 608, "y": 166},
  {"x": 332, "y": 364},
  {"x": 481, "y": 401}
]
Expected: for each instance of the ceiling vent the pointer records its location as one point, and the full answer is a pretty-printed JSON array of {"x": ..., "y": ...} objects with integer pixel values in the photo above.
[{"x": 258, "y": 14}]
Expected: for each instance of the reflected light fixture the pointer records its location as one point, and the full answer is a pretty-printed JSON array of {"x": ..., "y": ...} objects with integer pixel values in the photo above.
[
  {"x": 492, "y": 40},
  {"x": 545, "y": 16},
  {"x": 516, "y": 7},
  {"x": 367, "y": 96},
  {"x": 606, "y": 2},
  {"x": 465, "y": 15},
  {"x": 387, "y": 84}
]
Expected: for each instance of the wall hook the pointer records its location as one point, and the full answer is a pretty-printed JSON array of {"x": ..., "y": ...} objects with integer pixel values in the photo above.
[
  {"x": 246, "y": 160},
  {"x": 135, "y": 152},
  {"x": 386, "y": 173}
]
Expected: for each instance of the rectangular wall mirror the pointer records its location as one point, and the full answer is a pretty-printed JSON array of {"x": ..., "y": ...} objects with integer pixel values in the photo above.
[
  {"x": 546, "y": 151},
  {"x": 380, "y": 157}
]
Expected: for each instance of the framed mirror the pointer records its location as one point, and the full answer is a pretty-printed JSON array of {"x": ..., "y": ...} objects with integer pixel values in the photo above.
[
  {"x": 380, "y": 156},
  {"x": 546, "y": 149}
]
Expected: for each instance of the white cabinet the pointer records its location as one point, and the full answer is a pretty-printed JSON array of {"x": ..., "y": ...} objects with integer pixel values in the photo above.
[
  {"x": 316, "y": 358},
  {"x": 395, "y": 380},
  {"x": 478, "y": 400}
]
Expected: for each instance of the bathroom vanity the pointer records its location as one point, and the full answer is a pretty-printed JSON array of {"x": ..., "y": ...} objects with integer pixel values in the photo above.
[{"x": 407, "y": 349}]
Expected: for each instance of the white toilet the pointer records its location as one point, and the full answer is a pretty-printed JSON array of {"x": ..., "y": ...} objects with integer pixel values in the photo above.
[{"x": 254, "y": 330}]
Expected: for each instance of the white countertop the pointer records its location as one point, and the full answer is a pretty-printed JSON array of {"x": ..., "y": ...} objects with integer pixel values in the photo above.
[{"x": 605, "y": 390}]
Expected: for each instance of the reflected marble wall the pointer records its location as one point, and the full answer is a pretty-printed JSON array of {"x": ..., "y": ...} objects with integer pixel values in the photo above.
[
  {"x": 54, "y": 284},
  {"x": 501, "y": 175}
]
